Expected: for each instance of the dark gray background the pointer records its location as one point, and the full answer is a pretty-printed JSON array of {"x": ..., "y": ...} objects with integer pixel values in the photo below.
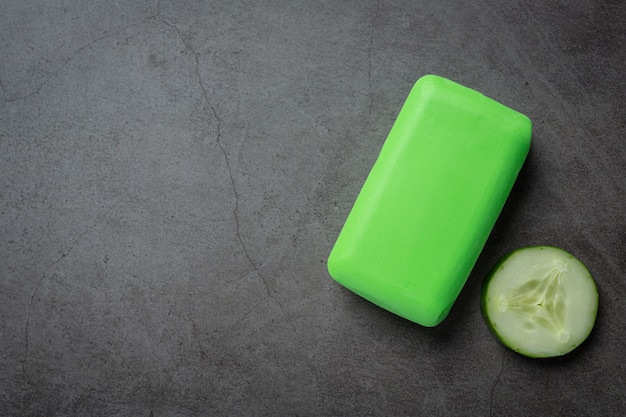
[{"x": 174, "y": 174}]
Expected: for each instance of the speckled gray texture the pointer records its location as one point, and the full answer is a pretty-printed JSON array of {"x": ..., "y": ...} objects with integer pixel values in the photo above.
[{"x": 174, "y": 174}]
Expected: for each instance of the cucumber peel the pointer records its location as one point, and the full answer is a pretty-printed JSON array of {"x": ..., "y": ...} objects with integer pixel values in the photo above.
[{"x": 540, "y": 301}]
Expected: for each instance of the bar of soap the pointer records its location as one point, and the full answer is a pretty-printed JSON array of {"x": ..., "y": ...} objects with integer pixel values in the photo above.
[{"x": 431, "y": 199}]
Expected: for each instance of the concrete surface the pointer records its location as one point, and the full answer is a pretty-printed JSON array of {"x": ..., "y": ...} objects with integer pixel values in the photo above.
[{"x": 174, "y": 174}]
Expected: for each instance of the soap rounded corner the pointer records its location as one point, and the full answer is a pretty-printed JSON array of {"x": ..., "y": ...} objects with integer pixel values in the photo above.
[
  {"x": 437, "y": 315},
  {"x": 428, "y": 78},
  {"x": 526, "y": 130},
  {"x": 331, "y": 265},
  {"x": 526, "y": 123},
  {"x": 429, "y": 322},
  {"x": 424, "y": 316},
  {"x": 429, "y": 83},
  {"x": 338, "y": 265}
]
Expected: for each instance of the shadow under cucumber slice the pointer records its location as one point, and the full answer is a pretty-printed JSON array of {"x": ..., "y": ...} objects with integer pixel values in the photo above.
[{"x": 540, "y": 301}]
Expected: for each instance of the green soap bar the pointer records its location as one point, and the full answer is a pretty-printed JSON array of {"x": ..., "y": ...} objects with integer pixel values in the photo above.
[{"x": 430, "y": 200}]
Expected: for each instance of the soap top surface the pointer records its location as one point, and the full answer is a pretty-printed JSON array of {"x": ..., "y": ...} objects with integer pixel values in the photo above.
[{"x": 430, "y": 200}]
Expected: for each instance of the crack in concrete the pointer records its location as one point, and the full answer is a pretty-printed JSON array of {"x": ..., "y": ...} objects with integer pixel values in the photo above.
[
  {"x": 43, "y": 277},
  {"x": 219, "y": 143},
  {"x": 239, "y": 321},
  {"x": 369, "y": 58},
  {"x": 74, "y": 55},
  {"x": 493, "y": 387},
  {"x": 4, "y": 92}
]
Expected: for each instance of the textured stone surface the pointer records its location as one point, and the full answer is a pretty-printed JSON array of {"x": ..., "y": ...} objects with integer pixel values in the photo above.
[{"x": 173, "y": 176}]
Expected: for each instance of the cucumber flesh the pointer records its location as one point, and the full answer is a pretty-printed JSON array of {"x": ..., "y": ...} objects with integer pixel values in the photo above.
[{"x": 540, "y": 301}]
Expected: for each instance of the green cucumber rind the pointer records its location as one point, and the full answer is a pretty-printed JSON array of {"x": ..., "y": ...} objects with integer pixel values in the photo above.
[
  {"x": 483, "y": 302},
  {"x": 483, "y": 298}
]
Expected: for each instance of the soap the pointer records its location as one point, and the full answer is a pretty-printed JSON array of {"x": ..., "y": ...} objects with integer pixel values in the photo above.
[{"x": 430, "y": 200}]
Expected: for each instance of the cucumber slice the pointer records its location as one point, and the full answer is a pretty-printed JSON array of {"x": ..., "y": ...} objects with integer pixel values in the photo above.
[{"x": 540, "y": 301}]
